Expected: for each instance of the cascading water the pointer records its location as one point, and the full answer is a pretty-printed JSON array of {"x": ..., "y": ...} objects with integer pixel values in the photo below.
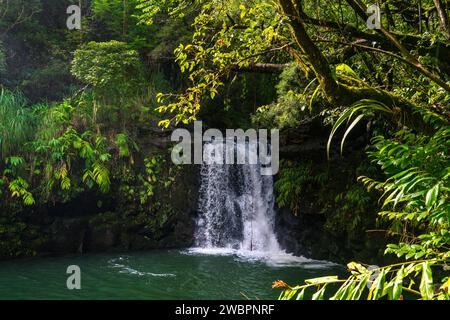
[{"x": 236, "y": 205}]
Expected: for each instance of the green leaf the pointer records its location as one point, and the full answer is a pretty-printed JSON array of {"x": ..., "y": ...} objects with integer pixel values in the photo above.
[
  {"x": 301, "y": 294},
  {"x": 316, "y": 92},
  {"x": 322, "y": 280},
  {"x": 398, "y": 284},
  {"x": 357, "y": 292},
  {"x": 426, "y": 284},
  {"x": 343, "y": 290},
  {"x": 377, "y": 287},
  {"x": 345, "y": 69},
  {"x": 319, "y": 294},
  {"x": 243, "y": 11},
  {"x": 431, "y": 196},
  {"x": 28, "y": 199},
  {"x": 349, "y": 129},
  {"x": 65, "y": 183},
  {"x": 287, "y": 294}
]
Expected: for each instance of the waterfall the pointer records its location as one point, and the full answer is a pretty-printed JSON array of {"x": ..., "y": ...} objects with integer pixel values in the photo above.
[{"x": 236, "y": 205}]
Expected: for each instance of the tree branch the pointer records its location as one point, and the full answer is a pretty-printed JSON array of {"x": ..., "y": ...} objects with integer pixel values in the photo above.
[
  {"x": 314, "y": 55},
  {"x": 260, "y": 68},
  {"x": 409, "y": 41},
  {"x": 339, "y": 94},
  {"x": 443, "y": 18},
  {"x": 414, "y": 62}
]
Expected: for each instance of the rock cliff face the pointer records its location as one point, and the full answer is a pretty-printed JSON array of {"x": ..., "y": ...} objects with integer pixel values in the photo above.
[
  {"x": 326, "y": 223},
  {"x": 82, "y": 226},
  {"x": 94, "y": 222}
]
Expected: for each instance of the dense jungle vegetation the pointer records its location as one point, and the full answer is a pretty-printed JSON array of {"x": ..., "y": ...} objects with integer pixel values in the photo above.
[{"x": 77, "y": 108}]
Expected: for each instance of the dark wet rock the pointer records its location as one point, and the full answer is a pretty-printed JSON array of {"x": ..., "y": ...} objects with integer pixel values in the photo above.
[{"x": 82, "y": 226}]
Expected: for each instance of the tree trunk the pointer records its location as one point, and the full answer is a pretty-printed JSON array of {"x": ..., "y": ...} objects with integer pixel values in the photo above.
[{"x": 443, "y": 18}]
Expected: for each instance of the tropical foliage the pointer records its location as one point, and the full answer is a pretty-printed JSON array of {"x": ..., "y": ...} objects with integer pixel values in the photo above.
[{"x": 84, "y": 114}]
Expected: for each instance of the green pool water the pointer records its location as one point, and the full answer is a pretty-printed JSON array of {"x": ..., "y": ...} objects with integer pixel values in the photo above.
[{"x": 174, "y": 274}]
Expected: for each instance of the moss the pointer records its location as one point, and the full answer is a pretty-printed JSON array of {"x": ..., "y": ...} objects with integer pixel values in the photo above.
[
  {"x": 18, "y": 239},
  {"x": 106, "y": 218}
]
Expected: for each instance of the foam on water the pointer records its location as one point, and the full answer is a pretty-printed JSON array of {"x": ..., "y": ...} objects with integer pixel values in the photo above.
[
  {"x": 131, "y": 271},
  {"x": 273, "y": 259}
]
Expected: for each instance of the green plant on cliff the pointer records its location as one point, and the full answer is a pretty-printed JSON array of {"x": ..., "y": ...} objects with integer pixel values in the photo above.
[
  {"x": 45, "y": 157},
  {"x": 118, "y": 19},
  {"x": 416, "y": 200},
  {"x": 150, "y": 178},
  {"x": 16, "y": 122},
  {"x": 416, "y": 195},
  {"x": 114, "y": 73},
  {"x": 295, "y": 180},
  {"x": 353, "y": 209},
  {"x": 111, "y": 68},
  {"x": 216, "y": 48},
  {"x": 2, "y": 59},
  {"x": 82, "y": 143},
  {"x": 297, "y": 101}
]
